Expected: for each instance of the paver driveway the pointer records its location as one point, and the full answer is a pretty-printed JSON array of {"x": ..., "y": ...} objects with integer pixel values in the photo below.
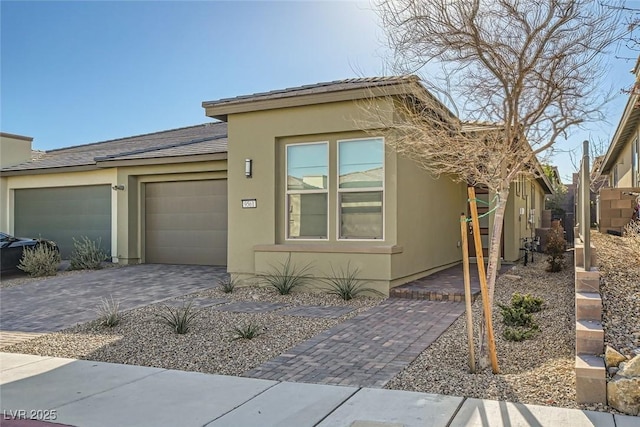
[{"x": 60, "y": 302}]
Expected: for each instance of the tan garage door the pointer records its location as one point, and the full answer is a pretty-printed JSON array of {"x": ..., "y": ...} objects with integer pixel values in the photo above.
[{"x": 186, "y": 222}]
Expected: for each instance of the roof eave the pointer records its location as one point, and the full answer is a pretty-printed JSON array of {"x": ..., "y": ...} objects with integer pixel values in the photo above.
[
  {"x": 189, "y": 158},
  {"x": 628, "y": 122},
  {"x": 41, "y": 171},
  {"x": 221, "y": 110}
]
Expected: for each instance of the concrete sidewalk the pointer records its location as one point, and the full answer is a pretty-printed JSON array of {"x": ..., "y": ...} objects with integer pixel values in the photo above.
[{"x": 85, "y": 393}]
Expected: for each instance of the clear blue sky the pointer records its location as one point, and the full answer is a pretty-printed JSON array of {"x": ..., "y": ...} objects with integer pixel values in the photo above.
[{"x": 86, "y": 71}]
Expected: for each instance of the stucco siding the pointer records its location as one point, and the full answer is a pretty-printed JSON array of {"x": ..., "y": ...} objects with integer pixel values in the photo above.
[{"x": 428, "y": 222}]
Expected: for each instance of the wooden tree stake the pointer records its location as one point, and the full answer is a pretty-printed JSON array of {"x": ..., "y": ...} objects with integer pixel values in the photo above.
[
  {"x": 483, "y": 279},
  {"x": 467, "y": 292}
]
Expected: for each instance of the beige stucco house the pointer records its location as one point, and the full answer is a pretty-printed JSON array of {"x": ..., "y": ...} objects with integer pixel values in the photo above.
[
  {"x": 622, "y": 160},
  {"x": 286, "y": 173}
]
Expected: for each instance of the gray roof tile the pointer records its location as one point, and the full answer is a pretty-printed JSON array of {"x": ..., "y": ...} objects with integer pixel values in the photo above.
[
  {"x": 208, "y": 138},
  {"x": 326, "y": 87}
]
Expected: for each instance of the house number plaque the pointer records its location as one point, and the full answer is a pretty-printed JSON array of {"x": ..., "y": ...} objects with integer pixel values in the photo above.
[{"x": 249, "y": 204}]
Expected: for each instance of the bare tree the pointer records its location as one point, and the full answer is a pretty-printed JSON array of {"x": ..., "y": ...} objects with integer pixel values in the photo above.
[{"x": 516, "y": 75}]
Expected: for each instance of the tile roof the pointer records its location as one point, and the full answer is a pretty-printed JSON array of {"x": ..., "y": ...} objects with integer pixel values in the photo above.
[
  {"x": 317, "y": 88},
  {"x": 208, "y": 138}
]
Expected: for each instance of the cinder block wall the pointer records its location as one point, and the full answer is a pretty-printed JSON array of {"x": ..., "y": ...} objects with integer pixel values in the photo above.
[{"x": 616, "y": 208}]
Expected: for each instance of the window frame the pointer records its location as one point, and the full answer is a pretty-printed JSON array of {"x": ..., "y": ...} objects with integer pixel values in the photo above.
[
  {"x": 339, "y": 191},
  {"x": 288, "y": 192}
]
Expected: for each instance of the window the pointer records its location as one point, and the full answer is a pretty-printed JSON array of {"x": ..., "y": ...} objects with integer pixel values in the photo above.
[
  {"x": 361, "y": 188},
  {"x": 307, "y": 190}
]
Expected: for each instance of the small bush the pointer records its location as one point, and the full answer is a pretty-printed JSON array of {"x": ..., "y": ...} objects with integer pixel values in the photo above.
[
  {"x": 41, "y": 260},
  {"x": 287, "y": 277},
  {"x": 179, "y": 318},
  {"x": 87, "y": 254},
  {"x": 346, "y": 284},
  {"x": 516, "y": 316},
  {"x": 246, "y": 331},
  {"x": 109, "y": 312},
  {"x": 528, "y": 302},
  {"x": 519, "y": 334},
  {"x": 227, "y": 284},
  {"x": 556, "y": 246}
]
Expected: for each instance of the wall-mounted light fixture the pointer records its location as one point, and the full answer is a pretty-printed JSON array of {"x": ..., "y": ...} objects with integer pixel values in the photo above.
[
  {"x": 118, "y": 187},
  {"x": 248, "y": 168}
]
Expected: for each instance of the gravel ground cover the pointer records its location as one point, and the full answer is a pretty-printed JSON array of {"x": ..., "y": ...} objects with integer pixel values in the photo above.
[
  {"x": 142, "y": 339},
  {"x": 16, "y": 279},
  {"x": 535, "y": 371},
  {"x": 620, "y": 290}
]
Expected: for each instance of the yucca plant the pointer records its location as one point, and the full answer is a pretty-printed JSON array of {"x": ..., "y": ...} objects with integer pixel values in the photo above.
[
  {"x": 287, "y": 277},
  {"x": 227, "y": 284},
  {"x": 345, "y": 283},
  {"x": 109, "y": 312},
  {"x": 246, "y": 331},
  {"x": 180, "y": 319}
]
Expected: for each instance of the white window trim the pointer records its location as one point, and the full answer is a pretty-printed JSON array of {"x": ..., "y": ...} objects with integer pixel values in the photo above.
[
  {"x": 360, "y": 190},
  {"x": 287, "y": 192}
]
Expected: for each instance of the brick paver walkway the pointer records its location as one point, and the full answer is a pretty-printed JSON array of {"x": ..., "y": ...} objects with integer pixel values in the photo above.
[
  {"x": 250, "y": 307},
  {"x": 367, "y": 350},
  {"x": 63, "y": 301},
  {"x": 318, "y": 311}
]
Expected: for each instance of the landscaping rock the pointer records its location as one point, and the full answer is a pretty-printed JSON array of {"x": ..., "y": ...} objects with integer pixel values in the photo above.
[
  {"x": 612, "y": 357},
  {"x": 623, "y": 394},
  {"x": 613, "y": 370},
  {"x": 631, "y": 369}
]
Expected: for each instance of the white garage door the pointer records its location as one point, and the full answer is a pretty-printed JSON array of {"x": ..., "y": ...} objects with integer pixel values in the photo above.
[{"x": 186, "y": 222}]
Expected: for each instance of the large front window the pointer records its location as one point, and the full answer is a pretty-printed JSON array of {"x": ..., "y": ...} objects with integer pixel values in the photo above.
[
  {"x": 360, "y": 188},
  {"x": 307, "y": 190}
]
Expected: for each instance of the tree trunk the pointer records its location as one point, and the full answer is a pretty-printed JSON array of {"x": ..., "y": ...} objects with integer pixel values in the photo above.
[
  {"x": 492, "y": 269},
  {"x": 496, "y": 240}
]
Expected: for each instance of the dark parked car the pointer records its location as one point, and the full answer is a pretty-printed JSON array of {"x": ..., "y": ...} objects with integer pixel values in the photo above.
[{"x": 11, "y": 249}]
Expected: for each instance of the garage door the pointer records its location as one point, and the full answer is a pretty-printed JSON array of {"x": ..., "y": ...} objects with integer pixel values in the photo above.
[
  {"x": 62, "y": 213},
  {"x": 186, "y": 222}
]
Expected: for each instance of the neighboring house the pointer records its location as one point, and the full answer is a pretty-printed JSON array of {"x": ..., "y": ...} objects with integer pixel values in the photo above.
[
  {"x": 622, "y": 160},
  {"x": 159, "y": 197},
  {"x": 621, "y": 168},
  {"x": 301, "y": 176}
]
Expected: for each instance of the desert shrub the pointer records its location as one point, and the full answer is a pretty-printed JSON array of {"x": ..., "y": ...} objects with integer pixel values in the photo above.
[
  {"x": 108, "y": 312},
  {"x": 287, "y": 277},
  {"x": 519, "y": 334},
  {"x": 180, "y": 319},
  {"x": 556, "y": 246},
  {"x": 345, "y": 283},
  {"x": 41, "y": 260},
  {"x": 87, "y": 254},
  {"x": 515, "y": 316},
  {"x": 246, "y": 331},
  {"x": 528, "y": 302},
  {"x": 227, "y": 284}
]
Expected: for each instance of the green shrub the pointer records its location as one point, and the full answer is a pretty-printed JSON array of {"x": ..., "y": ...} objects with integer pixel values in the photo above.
[
  {"x": 516, "y": 316},
  {"x": 41, "y": 260},
  {"x": 346, "y": 284},
  {"x": 519, "y": 334},
  {"x": 227, "y": 284},
  {"x": 109, "y": 312},
  {"x": 180, "y": 319},
  {"x": 246, "y": 331},
  {"x": 555, "y": 248},
  {"x": 528, "y": 302},
  {"x": 87, "y": 254},
  {"x": 287, "y": 277}
]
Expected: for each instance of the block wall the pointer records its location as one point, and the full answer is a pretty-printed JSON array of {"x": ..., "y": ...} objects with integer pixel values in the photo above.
[{"x": 616, "y": 208}]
